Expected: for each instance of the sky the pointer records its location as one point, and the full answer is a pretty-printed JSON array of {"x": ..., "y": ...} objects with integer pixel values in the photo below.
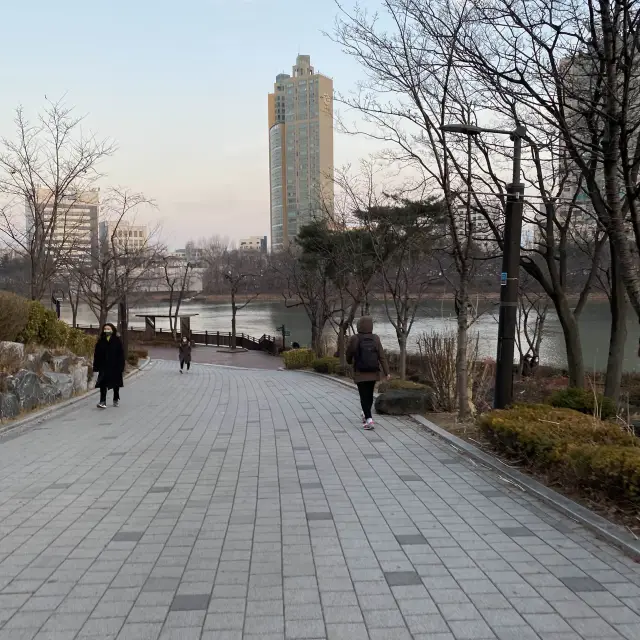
[{"x": 181, "y": 87}]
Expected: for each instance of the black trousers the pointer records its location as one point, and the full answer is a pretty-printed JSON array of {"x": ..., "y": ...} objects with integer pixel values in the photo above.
[
  {"x": 103, "y": 395},
  {"x": 365, "y": 389},
  {"x": 188, "y": 363}
]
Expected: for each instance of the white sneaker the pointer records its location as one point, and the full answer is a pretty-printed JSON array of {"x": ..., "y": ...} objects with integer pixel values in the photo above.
[
  {"x": 364, "y": 420},
  {"x": 102, "y": 405},
  {"x": 368, "y": 425}
]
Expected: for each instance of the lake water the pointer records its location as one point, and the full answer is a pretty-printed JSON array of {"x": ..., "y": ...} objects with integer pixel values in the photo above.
[{"x": 263, "y": 317}]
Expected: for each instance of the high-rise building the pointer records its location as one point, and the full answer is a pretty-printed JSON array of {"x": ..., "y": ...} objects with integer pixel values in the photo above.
[
  {"x": 300, "y": 151},
  {"x": 69, "y": 223}
]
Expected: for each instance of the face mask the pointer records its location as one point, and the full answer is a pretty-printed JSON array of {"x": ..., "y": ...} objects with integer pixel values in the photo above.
[{"x": 108, "y": 333}]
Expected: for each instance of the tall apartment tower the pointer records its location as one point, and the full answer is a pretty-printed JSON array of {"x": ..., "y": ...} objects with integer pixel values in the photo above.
[
  {"x": 300, "y": 151},
  {"x": 69, "y": 224}
]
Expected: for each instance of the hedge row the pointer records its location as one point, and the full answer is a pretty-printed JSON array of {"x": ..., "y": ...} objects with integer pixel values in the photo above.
[
  {"x": 299, "y": 358},
  {"x": 30, "y": 322},
  {"x": 585, "y": 401},
  {"x": 306, "y": 359},
  {"x": 575, "y": 449}
]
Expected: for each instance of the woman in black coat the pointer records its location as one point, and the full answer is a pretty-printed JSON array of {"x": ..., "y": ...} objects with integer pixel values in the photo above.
[{"x": 108, "y": 361}]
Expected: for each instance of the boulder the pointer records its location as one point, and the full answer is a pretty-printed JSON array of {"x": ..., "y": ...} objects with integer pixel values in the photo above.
[
  {"x": 9, "y": 406},
  {"x": 62, "y": 364},
  {"x": 80, "y": 376},
  {"x": 58, "y": 385},
  {"x": 401, "y": 402},
  {"x": 28, "y": 388},
  {"x": 12, "y": 349}
]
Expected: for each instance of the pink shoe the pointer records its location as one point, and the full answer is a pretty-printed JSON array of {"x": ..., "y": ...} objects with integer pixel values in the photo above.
[{"x": 368, "y": 425}]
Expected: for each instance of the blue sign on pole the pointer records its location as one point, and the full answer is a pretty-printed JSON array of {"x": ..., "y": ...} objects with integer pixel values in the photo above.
[{"x": 503, "y": 279}]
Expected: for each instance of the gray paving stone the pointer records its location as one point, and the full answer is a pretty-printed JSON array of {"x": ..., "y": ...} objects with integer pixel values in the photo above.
[
  {"x": 471, "y": 630},
  {"x": 352, "y": 631},
  {"x": 402, "y": 578},
  {"x": 516, "y": 532},
  {"x": 267, "y": 513},
  {"x": 319, "y": 515},
  {"x": 580, "y": 585},
  {"x": 409, "y": 477},
  {"x": 411, "y": 539},
  {"x": 196, "y": 602},
  {"x": 127, "y": 536},
  {"x": 297, "y": 629}
]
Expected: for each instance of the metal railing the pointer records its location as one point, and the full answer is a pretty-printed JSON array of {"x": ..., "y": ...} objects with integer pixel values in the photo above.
[{"x": 206, "y": 337}]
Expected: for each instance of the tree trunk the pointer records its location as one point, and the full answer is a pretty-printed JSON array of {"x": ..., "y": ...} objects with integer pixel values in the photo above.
[
  {"x": 316, "y": 339},
  {"x": 234, "y": 311},
  {"x": 74, "y": 303},
  {"x": 618, "y": 335},
  {"x": 402, "y": 344},
  {"x": 462, "y": 374},
  {"x": 342, "y": 341},
  {"x": 102, "y": 319},
  {"x": 573, "y": 344},
  {"x": 172, "y": 326}
]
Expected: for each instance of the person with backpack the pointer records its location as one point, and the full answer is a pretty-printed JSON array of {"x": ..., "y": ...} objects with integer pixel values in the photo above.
[{"x": 366, "y": 354}]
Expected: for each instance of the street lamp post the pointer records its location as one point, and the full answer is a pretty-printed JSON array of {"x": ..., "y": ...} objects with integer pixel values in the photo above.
[{"x": 508, "y": 317}]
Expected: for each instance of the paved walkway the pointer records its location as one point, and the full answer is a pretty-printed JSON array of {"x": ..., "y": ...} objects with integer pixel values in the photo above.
[
  {"x": 232, "y": 504},
  {"x": 221, "y": 356}
]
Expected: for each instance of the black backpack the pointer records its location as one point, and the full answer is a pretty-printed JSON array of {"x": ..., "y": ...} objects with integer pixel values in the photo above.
[{"x": 367, "y": 358}]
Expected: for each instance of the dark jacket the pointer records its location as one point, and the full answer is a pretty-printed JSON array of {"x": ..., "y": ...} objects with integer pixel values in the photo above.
[
  {"x": 108, "y": 361},
  {"x": 185, "y": 352},
  {"x": 365, "y": 328}
]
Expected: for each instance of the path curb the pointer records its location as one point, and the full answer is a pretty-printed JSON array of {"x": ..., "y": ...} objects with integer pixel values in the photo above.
[
  {"x": 47, "y": 412},
  {"x": 604, "y": 529}
]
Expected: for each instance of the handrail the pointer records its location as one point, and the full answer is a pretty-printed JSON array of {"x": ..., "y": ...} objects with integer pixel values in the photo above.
[{"x": 239, "y": 336}]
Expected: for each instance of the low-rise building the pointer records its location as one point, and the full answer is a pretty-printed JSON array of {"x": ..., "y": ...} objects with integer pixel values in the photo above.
[
  {"x": 254, "y": 243},
  {"x": 128, "y": 238}
]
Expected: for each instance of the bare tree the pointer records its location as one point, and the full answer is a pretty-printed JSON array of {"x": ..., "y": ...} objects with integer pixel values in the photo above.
[
  {"x": 404, "y": 235},
  {"x": 121, "y": 265},
  {"x": 241, "y": 278},
  {"x": 213, "y": 252},
  {"x": 45, "y": 171},
  {"x": 308, "y": 283},
  {"x": 353, "y": 243},
  {"x": 413, "y": 89},
  {"x": 533, "y": 307},
  {"x": 177, "y": 275},
  {"x": 444, "y": 61},
  {"x": 573, "y": 68}
]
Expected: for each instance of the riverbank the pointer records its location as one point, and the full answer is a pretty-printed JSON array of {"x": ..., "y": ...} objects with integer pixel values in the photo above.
[{"x": 155, "y": 298}]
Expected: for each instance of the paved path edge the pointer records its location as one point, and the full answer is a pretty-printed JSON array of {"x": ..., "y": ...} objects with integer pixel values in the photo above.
[
  {"x": 602, "y": 527},
  {"x": 47, "y": 412}
]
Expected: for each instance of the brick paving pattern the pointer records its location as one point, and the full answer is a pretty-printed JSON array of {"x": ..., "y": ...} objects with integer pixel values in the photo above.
[{"x": 228, "y": 504}]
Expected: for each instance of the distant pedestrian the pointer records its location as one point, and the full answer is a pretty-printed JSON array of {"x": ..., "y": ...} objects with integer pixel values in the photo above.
[
  {"x": 366, "y": 354},
  {"x": 108, "y": 361},
  {"x": 184, "y": 352}
]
